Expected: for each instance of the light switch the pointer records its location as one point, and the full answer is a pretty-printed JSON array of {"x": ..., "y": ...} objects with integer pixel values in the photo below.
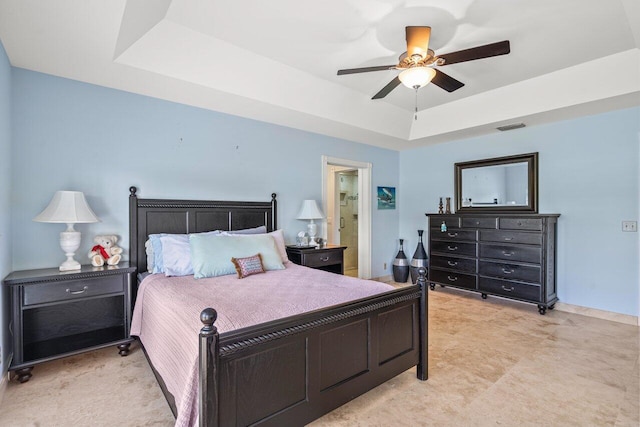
[{"x": 629, "y": 226}]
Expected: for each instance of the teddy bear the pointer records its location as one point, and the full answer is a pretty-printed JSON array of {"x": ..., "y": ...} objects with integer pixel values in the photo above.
[{"x": 105, "y": 250}]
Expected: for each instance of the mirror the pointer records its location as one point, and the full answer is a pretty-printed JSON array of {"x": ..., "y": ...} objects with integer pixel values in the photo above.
[{"x": 501, "y": 184}]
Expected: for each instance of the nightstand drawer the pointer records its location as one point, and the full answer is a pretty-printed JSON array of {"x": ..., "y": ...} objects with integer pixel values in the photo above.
[
  {"x": 319, "y": 259},
  {"x": 71, "y": 289}
]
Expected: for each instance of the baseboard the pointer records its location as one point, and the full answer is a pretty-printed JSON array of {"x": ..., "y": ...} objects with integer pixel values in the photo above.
[{"x": 600, "y": 314}]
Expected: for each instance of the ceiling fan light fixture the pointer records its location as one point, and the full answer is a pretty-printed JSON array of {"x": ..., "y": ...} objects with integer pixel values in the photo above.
[{"x": 416, "y": 77}]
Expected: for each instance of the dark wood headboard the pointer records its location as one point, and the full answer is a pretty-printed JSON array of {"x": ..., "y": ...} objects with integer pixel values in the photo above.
[{"x": 150, "y": 216}]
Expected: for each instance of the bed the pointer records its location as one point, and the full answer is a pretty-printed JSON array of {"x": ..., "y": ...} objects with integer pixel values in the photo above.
[{"x": 290, "y": 370}]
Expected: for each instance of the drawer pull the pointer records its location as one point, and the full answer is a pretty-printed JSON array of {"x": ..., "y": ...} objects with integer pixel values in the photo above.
[
  {"x": 455, "y": 248},
  {"x": 453, "y": 234},
  {"x": 504, "y": 288},
  {"x": 507, "y": 270},
  {"x": 325, "y": 259},
  {"x": 505, "y": 253},
  {"x": 452, "y": 263},
  {"x": 81, "y": 291},
  {"x": 452, "y": 279},
  {"x": 508, "y": 239}
]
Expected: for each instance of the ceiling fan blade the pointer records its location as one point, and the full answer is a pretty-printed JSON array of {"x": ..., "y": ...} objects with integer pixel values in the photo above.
[
  {"x": 446, "y": 82},
  {"x": 418, "y": 40},
  {"x": 365, "y": 69},
  {"x": 486, "y": 51},
  {"x": 387, "y": 89}
]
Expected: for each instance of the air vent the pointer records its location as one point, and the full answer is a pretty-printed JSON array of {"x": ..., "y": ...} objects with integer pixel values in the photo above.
[{"x": 511, "y": 126}]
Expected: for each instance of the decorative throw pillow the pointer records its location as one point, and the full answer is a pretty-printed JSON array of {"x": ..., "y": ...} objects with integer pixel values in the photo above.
[{"x": 248, "y": 266}]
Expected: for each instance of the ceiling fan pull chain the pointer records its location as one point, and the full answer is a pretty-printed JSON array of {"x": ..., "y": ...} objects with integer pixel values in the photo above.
[{"x": 415, "y": 117}]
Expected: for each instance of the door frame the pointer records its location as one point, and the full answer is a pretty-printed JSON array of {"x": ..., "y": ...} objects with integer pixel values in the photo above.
[{"x": 364, "y": 207}]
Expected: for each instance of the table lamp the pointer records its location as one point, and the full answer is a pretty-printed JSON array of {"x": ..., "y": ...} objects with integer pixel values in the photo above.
[
  {"x": 311, "y": 212},
  {"x": 68, "y": 207}
]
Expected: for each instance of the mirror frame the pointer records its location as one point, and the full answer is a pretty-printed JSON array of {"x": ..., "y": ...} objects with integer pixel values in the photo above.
[{"x": 532, "y": 183}]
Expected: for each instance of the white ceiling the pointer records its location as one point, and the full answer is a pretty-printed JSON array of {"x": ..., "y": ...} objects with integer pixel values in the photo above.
[{"x": 276, "y": 60}]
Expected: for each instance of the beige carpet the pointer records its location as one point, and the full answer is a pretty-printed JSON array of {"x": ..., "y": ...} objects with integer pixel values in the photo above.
[{"x": 492, "y": 362}]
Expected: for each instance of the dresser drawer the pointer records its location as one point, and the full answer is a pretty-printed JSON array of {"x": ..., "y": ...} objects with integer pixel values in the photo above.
[
  {"x": 454, "y": 235},
  {"x": 479, "y": 222},
  {"x": 453, "y": 248},
  {"x": 534, "y": 224},
  {"x": 465, "y": 265},
  {"x": 510, "y": 289},
  {"x": 71, "y": 289},
  {"x": 450, "y": 221},
  {"x": 526, "y": 273},
  {"x": 511, "y": 237},
  {"x": 531, "y": 254},
  {"x": 454, "y": 279},
  {"x": 321, "y": 258}
]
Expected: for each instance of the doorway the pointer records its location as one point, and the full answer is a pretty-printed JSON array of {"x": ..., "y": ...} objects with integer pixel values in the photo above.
[
  {"x": 346, "y": 198},
  {"x": 346, "y": 190}
]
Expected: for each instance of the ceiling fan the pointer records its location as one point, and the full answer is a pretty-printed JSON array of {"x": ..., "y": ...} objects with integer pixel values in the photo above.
[{"x": 417, "y": 63}]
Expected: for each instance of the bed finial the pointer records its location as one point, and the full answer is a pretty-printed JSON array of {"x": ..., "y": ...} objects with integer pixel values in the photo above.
[
  {"x": 132, "y": 190},
  {"x": 273, "y": 196},
  {"x": 208, "y": 317}
]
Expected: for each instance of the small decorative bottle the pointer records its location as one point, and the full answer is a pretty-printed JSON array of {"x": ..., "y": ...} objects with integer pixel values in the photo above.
[
  {"x": 440, "y": 210},
  {"x": 443, "y": 227},
  {"x": 401, "y": 266},
  {"x": 448, "y": 208},
  {"x": 419, "y": 259}
]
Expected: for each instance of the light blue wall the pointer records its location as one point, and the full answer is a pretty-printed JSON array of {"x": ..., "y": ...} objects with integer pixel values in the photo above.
[
  {"x": 5, "y": 193},
  {"x": 71, "y": 135},
  {"x": 588, "y": 172},
  {"x": 76, "y": 136}
]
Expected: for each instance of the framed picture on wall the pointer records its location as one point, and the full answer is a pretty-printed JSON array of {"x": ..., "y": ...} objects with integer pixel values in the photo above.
[{"x": 386, "y": 197}]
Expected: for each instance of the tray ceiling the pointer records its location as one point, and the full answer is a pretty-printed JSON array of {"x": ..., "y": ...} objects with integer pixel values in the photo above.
[{"x": 276, "y": 61}]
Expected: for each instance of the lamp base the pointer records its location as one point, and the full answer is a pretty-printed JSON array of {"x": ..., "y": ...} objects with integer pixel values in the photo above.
[
  {"x": 312, "y": 230},
  {"x": 70, "y": 265},
  {"x": 70, "y": 242}
]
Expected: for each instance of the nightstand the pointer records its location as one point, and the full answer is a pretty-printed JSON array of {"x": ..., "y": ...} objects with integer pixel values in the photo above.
[
  {"x": 328, "y": 258},
  {"x": 56, "y": 314}
]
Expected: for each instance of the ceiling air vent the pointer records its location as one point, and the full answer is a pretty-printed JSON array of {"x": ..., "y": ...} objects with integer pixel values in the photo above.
[{"x": 511, "y": 126}]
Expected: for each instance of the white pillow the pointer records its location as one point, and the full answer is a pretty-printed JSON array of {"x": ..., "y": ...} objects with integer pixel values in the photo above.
[
  {"x": 278, "y": 236},
  {"x": 176, "y": 255},
  {"x": 179, "y": 248}
]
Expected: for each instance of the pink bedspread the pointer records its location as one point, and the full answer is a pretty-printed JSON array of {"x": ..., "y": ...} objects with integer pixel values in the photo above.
[{"x": 166, "y": 317}]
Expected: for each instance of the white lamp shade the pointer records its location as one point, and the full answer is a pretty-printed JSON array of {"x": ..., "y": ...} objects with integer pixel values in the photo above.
[
  {"x": 417, "y": 76},
  {"x": 68, "y": 207},
  {"x": 310, "y": 210}
]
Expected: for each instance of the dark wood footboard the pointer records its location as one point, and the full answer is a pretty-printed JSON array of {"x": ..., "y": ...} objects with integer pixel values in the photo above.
[{"x": 294, "y": 370}]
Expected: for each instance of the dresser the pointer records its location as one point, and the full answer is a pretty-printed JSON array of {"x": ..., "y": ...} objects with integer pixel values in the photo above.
[
  {"x": 328, "y": 258},
  {"x": 56, "y": 314},
  {"x": 506, "y": 255}
]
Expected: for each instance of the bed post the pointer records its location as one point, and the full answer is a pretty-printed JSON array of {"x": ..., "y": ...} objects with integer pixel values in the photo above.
[
  {"x": 133, "y": 226},
  {"x": 274, "y": 212},
  {"x": 209, "y": 351},
  {"x": 423, "y": 371}
]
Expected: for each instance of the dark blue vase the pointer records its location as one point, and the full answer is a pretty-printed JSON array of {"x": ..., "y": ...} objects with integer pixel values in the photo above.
[
  {"x": 401, "y": 266},
  {"x": 419, "y": 259}
]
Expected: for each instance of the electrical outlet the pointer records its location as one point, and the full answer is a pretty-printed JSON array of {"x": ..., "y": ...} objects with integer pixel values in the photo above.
[
  {"x": 385, "y": 265},
  {"x": 629, "y": 226}
]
